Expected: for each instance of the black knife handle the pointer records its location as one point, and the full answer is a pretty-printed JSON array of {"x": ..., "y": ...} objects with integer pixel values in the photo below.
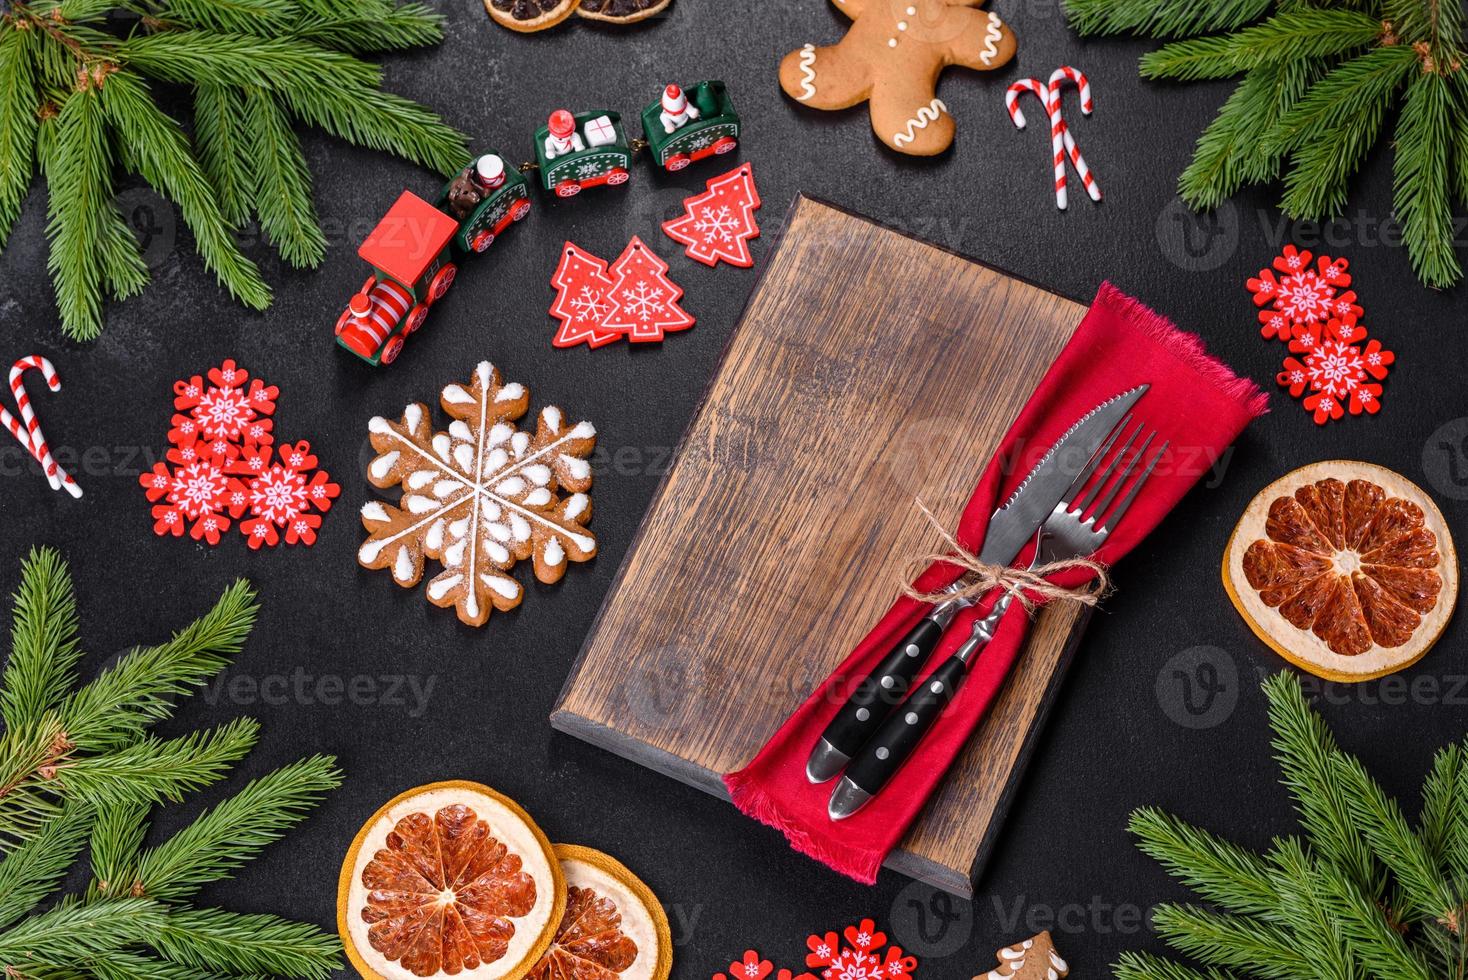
[
  {"x": 895, "y": 741},
  {"x": 882, "y": 690}
]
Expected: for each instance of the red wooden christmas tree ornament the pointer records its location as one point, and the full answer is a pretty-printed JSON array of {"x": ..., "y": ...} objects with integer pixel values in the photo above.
[
  {"x": 581, "y": 304},
  {"x": 719, "y": 223},
  {"x": 644, "y": 300}
]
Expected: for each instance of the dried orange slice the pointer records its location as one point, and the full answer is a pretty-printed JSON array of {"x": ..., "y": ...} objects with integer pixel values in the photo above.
[
  {"x": 447, "y": 880},
  {"x": 1346, "y": 569},
  {"x": 527, "y": 16},
  {"x": 621, "y": 11},
  {"x": 614, "y": 927}
]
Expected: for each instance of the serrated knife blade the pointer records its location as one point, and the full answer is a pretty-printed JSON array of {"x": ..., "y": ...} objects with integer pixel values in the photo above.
[{"x": 1013, "y": 524}]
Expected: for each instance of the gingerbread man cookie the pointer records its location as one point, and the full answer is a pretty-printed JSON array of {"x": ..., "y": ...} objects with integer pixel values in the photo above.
[{"x": 892, "y": 57}]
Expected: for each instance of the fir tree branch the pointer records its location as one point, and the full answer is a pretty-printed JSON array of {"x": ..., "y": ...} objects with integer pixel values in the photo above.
[
  {"x": 282, "y": 183},
  {"x": 79, "y": 177},
  {"x": 1144, "y": 966},
  {"x": 18, "y": 123},
  {"x": 263, "y": 18},
  {"x": 383, "y": 121},
  {"x": 1421, "y": 175},
  {"x": 1302, "y": 908},
  {"x": 132, "y": 966},
  {"x": 26, "y": 752},
  {"x": 138, "y": 690},
  {"x": 117, "y": 837},
  {"x": 1370, "y": 937},
  {"x": 1444, "y": 806},
  {"x": 33, "y": 870},
  {"x": 1223, "y": 873},
  {"x": 368, "y": 28},
  {"x": 1231, "y": 942},
  {"x": 153, "y": 770},
  {"x": 224, "y": 150},
  {"x": 72, "y": 931},
  {"x": 1305, "y": 749},
  {"x": 224, "y": 838},
  {"x": 232, "y": 943},
  {"x": 163, "y": 156},
  {"x": 1310, "y": 33},
  {"x": 192, "y": 57},
  {"x": 123, "y": 269},
  {"x": 44, "y": 648},
  {"x": 1334, "y": 126},
  {"x": 1162, "y": 18},
  {"x": 1460, "y": 136}
]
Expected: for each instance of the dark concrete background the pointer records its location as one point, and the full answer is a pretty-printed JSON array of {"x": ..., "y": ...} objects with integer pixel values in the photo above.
[{"x": 1120, "y": 736}]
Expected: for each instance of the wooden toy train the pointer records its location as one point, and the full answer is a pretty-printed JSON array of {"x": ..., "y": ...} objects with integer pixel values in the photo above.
[{"x": 413, "y": 249}]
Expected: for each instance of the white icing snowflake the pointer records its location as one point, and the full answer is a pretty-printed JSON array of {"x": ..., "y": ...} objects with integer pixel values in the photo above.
[
  {"x": 643, "y": 301},
  {"x": 479, "y": 497}
]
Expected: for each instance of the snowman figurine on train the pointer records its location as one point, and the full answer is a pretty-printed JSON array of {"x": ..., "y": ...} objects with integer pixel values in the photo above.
[{"x": 414, "y": 249}]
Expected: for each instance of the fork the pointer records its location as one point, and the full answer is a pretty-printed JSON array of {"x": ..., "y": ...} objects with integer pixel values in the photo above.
[{"x": 1076, "y": 528}]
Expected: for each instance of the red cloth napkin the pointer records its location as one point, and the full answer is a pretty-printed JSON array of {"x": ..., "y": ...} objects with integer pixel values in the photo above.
[{"x": 1196, "y": 403}]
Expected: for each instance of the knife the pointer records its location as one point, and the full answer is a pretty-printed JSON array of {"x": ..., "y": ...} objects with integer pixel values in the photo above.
[{"x": 1010, "y": 528}]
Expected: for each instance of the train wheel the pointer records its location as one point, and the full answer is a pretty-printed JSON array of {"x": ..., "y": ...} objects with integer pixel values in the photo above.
[
  {"x": 725, "y": 145},
  {"x": 391, "y": 351},
  {"x": 568, "y": 188},
  {"x": 442, "y": 280},
  {"x": 618, "y": 176},
  {"x": 520, "y": 210},
  {"x": 677, "y": 162},
  {"x": 415, "y": 319},
  {"x": 482, "y": 240}
]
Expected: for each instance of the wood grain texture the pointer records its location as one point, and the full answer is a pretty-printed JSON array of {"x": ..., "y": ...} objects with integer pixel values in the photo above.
[{"x": 869, "y": 370}]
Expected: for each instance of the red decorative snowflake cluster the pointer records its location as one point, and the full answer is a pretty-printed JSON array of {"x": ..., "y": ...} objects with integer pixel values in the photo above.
[
  {"x": 860, "y": 957},
  {"x": 223, "y": 467},
  {"x": 599, "y": 305},
  {"x": 1311, "y": 309},
  {"x": 718, "y": 224}
]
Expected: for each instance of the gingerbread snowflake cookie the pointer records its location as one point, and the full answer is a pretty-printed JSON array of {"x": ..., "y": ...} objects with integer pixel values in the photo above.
[
  {"x": 892, "y": 57},
  {"x": 1033, "y": 959},
  {"x": 479, "y": 497}
]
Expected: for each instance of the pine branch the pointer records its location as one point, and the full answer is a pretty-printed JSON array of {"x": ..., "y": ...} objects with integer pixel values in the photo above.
[
  {"x": 1421, "y": 175},
  {"x": 1460, "y": 137},
  {"x": 163, "y": 156},
  {"x": 224, "y": 150},
  {"x": 44, "y": 648},
  {"x": 117, "y": 837},
  {"x": 1311, "y": 33},
  {"x": 132, "y": 966},
  {"x": 282, "y": 183},
  {"x": 33, "y": 870},
  {"x": 383, "y": 121},
  {"x": 1162, "y": 18},
  {"x": 223, "y": 839},
  {"x": 364, "y": 28},
  {"x": 73, "y": 931},
  {"x": 124, "y": 270},
  {"x": 231, "y": 943},
  {"x": 264, "y": 18},
  {"x": 139, "y": 689},
  {"x": 1444, "y": 807},
  {"x": 18, "y": 123},
  {"x": 1223, "y": 873},
  {"x": 1231, "y": 942},
  {"x": 1144, "y": 966},
  {"x": 79, "y": 176},
  {"x": 1370, "y": 937},
  {"x": 26, "y": 803},
  {"x": 1303, "y": 910},
  {"x": 191, "y": 57},
  {"x": 1305, "y": 750},
  {"x": 153, "y": 770}
]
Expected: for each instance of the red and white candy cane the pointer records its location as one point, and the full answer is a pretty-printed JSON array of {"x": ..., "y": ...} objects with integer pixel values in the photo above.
[
  {"x": 1078, "y": 78},
  {"x": 1057, "y": 128},
  {"x": 30, "y": 436}
]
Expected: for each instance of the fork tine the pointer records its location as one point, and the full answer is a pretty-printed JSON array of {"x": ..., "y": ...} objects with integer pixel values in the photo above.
[
  {"x": 1123, "y": 476},
  {"x": 1085, "y": 475},
  {"x": 1085, "y": 502},
  {"x": 1112, "y": 519}
]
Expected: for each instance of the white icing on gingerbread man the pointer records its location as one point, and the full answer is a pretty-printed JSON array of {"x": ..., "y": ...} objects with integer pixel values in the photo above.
[{"x": 892, "y": 57}]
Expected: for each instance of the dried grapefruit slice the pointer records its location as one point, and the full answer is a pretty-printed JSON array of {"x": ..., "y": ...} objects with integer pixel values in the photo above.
[
  {"x": 529, "y": 15},
  {"x": 614, "y": 927},
  {"x": 621, "y": 11},
  {"x": 449, "y": 880},
  {"x": 1346, "y": 569}
]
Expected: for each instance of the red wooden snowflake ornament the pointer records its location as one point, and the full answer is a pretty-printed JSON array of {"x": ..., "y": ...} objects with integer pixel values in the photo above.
[
  {"x": 860, "y": 957},
  {"x": 719, "y": 223},
  {"x": 1302, "y": 300}
]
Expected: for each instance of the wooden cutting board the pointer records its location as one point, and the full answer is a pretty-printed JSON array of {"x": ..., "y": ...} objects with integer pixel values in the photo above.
[{"x": 774, "y": 542}]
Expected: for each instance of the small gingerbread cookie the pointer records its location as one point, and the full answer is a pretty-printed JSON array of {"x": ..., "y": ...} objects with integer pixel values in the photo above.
[
  {"x": 892, "y": 57},
  {"x": 1033, "y": 959}
]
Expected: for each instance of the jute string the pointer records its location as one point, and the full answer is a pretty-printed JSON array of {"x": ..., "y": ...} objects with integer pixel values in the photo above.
[{"x": 979, "y": 578}]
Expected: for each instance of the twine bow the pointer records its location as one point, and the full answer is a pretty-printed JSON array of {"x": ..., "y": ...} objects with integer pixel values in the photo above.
[{"x": 980, "y": 578}]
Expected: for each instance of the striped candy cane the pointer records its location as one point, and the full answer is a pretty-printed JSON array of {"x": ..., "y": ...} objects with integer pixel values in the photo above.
[
  {"x": 31, "y": 436},
  {"x": 1078, "y": 78},
  {"x": 1057, "y": 128}
]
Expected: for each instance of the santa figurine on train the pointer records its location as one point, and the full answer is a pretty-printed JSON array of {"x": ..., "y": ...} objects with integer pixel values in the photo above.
[
  {"x": 677, "y": 110},
  {"x": 563, "y": 137}
]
